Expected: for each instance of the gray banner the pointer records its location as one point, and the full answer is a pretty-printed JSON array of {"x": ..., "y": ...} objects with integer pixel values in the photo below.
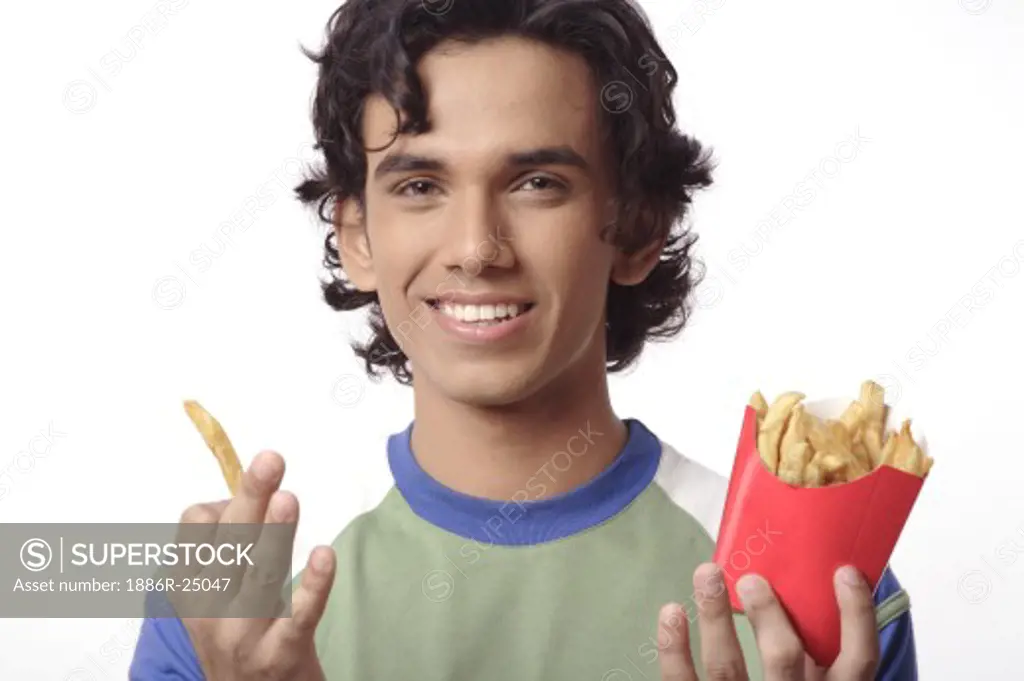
[{"x": 151, "y": 570}]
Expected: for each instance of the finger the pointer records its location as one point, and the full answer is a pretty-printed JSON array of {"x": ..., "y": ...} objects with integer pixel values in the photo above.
[
  {"x": 259, "y": 482},
  {"x": 206, "y": 513},
  {"x": 720, "y": 649},
  {"x": 242, "y": 520},
  {"x": 674, "y": 645},
  {"x": 782, "y": 652},
  {"x": 197, "y": 525},
  {"x": 260, "y": 591},
  {"x": 308, "y": 603},
  {"x": 859, "y": 651}
]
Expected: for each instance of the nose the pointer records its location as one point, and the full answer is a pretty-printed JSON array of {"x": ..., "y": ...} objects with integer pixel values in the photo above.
[{"x": 477, "y": 238}]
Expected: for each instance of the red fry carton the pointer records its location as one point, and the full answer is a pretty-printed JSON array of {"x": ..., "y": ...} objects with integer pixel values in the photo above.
[{"x": 796, "y": 538}]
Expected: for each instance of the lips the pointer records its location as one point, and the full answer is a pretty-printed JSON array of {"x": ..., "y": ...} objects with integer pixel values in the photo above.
[{"x": 482, "y": 318}]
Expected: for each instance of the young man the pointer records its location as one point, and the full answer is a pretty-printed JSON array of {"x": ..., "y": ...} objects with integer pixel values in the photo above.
[{"x": 507, "y": 190}]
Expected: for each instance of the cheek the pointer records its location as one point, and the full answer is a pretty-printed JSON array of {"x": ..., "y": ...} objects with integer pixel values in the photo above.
[
  {"x": 397, "y": 255},
  {"x": 576, "y": 268}
]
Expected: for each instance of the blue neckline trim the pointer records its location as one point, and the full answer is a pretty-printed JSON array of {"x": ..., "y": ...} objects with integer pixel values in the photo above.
[{"x": 528, "y": 519}]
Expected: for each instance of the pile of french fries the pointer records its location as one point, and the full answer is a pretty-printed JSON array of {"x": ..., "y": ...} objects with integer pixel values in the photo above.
[{"x": 804, "y": 450}]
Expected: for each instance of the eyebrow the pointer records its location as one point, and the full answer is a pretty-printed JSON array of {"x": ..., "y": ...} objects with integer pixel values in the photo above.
[
  {"x": 541, "y": 156},
  {"x": 549, "y": 156}
]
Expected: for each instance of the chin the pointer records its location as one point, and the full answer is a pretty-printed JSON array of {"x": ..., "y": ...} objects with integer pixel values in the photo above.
[{"x": 479, "y": 385}]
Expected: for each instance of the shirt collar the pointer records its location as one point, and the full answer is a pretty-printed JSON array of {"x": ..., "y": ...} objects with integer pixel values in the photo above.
[{"x": 530, "y": 519}]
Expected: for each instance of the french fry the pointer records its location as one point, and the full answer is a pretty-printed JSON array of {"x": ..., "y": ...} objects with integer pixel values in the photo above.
[
  {"x": 760, "y": 406},
  {"x": 217, "y": 440},
  {"x": 888, "y": 453},
  {"x": 795, "y": 431},
  {"x": 903, "y": 450},
  {"x": 843, "y": 437},
  {"x": 820, "y": 437},
  {"x": 840, "y": 436},
  {"x": 872, "y": 399},
  {"x": 835, "y": 458},
  {"x": 860, "y": 451},
  {"x": 852, "y": 417},
  {"x": 814, "y": 476},
  {"x": 924, "y": 462},
  {"x": 908, "y": 456},
  {"x": 772, "y": 427},
  {"x": 793, "y": 460},
  {"x": 834, "y": 466}
]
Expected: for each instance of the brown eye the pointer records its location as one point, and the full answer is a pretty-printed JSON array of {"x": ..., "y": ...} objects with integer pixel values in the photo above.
[
  {"x": 540, "y": 183},
  {"x": 415, "y": 188}
]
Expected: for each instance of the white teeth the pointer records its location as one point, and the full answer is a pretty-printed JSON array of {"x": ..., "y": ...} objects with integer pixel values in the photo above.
[{"x": 481, "y": 313}]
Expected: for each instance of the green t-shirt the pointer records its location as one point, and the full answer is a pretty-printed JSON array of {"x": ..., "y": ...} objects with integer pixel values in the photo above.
[{"x": 433, "y": 584}]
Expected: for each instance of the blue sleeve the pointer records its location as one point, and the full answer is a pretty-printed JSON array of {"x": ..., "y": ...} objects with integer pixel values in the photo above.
[
  {"x": 898, "y": 656},
  {"x": 164, "y": 651}
]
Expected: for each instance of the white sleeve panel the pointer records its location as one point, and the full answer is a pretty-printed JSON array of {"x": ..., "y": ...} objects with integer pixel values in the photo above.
[{"x": 696, "y": 489}]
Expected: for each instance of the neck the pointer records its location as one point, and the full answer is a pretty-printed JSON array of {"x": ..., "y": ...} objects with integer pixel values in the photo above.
[{"x": 553, "y": 442}]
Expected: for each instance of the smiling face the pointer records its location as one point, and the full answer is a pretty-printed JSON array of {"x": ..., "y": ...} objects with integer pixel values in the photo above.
[{"x": 482, "y": 236}]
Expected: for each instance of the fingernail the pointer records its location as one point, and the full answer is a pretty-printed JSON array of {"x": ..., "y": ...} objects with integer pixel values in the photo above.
[
  {"x": 748, "y": 588},
  {"x": 276, "y": 512},
  {"x": 848, "y": 576},
  {"x": 262, "y": 469},
  {"x": 668, "y": 623},
  {"x": 714, "y": 583},
  {"x": 320, "y": 561}
]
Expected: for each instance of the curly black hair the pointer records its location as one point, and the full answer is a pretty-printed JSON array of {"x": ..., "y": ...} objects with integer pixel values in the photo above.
[{"x": 373, "y": 47}]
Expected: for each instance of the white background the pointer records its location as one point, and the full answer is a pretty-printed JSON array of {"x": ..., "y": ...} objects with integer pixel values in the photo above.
[{"x": 117, "y": 179}]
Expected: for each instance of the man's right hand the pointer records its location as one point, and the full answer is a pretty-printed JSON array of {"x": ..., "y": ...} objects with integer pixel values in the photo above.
[{"x": 264, "y": 649}]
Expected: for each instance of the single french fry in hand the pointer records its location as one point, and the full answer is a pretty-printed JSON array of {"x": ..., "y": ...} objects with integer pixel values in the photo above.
[
  {"x": 217, "y": 440},
  {"x": 774, "y": 424}
]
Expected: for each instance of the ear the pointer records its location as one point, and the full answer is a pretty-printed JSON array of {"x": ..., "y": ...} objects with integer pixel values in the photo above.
[
  {"x": 354, "y": 244},
  {"x": 633, "y": 269}
]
